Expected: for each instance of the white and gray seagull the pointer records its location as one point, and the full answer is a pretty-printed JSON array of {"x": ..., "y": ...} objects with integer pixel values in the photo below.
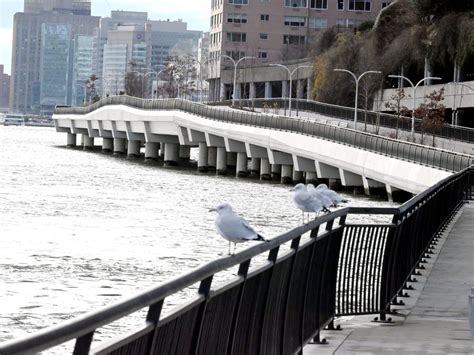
[
  {"x": 306, "y": 201},
  {"x": 232, "y": 227},
  {"x": 333, "y": 195}
]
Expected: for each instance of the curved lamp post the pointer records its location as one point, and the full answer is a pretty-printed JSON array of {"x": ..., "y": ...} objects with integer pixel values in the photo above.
[
  {"x": 357, "y": 79},
  {"x": 200, "y": 75},
  {"x": 414, "y": 97},
  {"x": 290, "y": 74},
  {"x": 85, "y": 93},
  {"x": 236, "y": 63}
]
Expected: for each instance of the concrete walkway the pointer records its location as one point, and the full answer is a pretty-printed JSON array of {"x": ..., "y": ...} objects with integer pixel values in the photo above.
[{"x": 435, "y": 317}]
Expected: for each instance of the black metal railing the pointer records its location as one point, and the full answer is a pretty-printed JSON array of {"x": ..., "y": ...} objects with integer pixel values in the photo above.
[
  {"x": 433, "y": 157},
  {"x": 448, "y": 131},
  {"x": 331, "y": 268}
]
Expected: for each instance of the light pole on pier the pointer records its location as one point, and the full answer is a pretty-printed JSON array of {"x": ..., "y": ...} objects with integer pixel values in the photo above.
[
  {"x": 236, "y": 63},
  {"x": 414, "y": 97},
  {"x": 357, "y": 79},
  {"x": 290, "y": 74}
]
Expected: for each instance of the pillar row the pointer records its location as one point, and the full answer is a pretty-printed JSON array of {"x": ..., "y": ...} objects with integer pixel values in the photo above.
[
  {"x": 241, "y": 169},
  {"x": 171, "y": 154},
  {"x": 119, "y": 146},
  {"x": 71, "y": 139},
  {"x": 287, "y": 174},
  {"x": 88, "y": 142},
  {"x": 221, "y": 166},
  {"x": 151, "y": 150},
  {"x": 202, "y": 158},
  {"x": 133, "y": 149},
  {"x": 265, "y": 169}
]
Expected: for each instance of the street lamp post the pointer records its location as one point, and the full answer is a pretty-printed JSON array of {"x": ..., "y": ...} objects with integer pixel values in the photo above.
[
  {"x": 200, "y": 75},
  {"x": 414, "y": 97},
  {"x": 155, "y": 95},
  {"x": 455, "y": 108},
  {"x": 236, "y": 63},
  {"x": 357, "y": 79},
  {"x": 144, "y": 80},
  {"x": 290, "y": 74}
]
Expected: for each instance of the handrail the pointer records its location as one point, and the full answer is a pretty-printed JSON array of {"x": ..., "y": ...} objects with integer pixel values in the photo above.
[
  {"x": 398, "y": 247},
  {"x": 434, "y": 157},
  {"x": 449, "y": 131}
]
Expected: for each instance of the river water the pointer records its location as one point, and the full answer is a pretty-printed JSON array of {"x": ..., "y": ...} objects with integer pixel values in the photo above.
[{"x": 80, "y": 230}]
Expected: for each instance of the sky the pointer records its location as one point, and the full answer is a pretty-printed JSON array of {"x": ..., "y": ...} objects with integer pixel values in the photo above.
[{"x": 195, "y": 12}]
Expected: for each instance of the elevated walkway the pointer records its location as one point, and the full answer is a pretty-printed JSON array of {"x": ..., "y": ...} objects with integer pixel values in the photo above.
[{"x": 435, "y": 317}]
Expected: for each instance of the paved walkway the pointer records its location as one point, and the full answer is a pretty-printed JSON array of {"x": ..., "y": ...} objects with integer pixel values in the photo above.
[{"x": 435, "y": 317}]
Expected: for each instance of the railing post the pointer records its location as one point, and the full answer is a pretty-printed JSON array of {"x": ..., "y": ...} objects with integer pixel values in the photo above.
[
  {"x": 83, "y": 344},
  {"x": 204, "y": 289}
]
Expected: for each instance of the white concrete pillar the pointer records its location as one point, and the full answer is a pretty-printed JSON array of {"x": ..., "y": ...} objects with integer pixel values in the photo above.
[
  {"x": 221, "y": 161},
  {"x": 284, "y": 88},
  {"x": 252, "y": 90},
  {"x": 211, "y": 158},
  {"x": 241, "y": 169},
  {"x": 265, "y": 169},
  {"x": 300, "y": 89},
  {"x": 310, "y": 88},
  {"x": 119, "y": 146},
  {"x": 268, "y": 90},
  {"x": 311, "y": 177},
  {"x": 255, "y": 167},
  {"x": 202, "y": 157},
  {"x": 88, "y": 142},
  {"x": 133, "y": 149},
  {"x": 171, "y": 154},
  {"x": 184, "y": 152},
  {"x": 297, "y": 176},
  {"x": 276, "y": 171},
  {"x": 151, "y": 150},
  {"x": 71, "y": 140},
  {"x": 287, "y": 174},
  {"x": 162, "y": 150},
  {"x": 107, "y": 145}
]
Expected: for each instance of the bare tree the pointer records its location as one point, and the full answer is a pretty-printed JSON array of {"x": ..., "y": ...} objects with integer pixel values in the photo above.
[
  {"x": 431, "y": 113},
  {"x": 395, "y": 105},
  {"x": 134, "y": 84}
]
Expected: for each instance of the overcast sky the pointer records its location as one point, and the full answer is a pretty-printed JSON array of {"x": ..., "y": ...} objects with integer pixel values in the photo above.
[{"x": 195, "y": 12}]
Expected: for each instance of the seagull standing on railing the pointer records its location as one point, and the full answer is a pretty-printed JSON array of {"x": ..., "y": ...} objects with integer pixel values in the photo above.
[
  {"x": 319, "y": 194},
  {"x": 333, "y": 195},
  {"x": 234, "y": 228},
  {"x": 306, "y": 201}
]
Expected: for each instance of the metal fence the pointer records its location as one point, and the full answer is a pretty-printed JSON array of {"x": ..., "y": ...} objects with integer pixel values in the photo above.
[
  {"x": 284, "y": 302},
  {"x": 347, "y": 113},
  {"x": 433, "y": 157}
]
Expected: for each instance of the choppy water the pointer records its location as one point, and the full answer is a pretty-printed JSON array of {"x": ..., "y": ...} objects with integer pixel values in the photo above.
[{"x": 79, "y": 230}]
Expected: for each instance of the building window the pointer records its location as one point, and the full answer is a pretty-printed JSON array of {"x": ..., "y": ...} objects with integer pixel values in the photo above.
[
  {"x": 262, "y": 55},
  {"x": 359, "y": 5},
  {"x": 264, "y": 17},
  {"x": 295, "y": 3},
  {"x": 318, "y": 23},
  {"x": 264, "y": 36},
  {"x": 318, "y": 4},
  {"x": 340, "y": 4},
  {"x": 236, "y": 37},
  {"x": 238, "y": 2},
  {"x": 237, "y": 18},
  {"x": 293, "y": 39},
  {"x": 295, "y": 21},
  {"x": 385, "y": 4}
]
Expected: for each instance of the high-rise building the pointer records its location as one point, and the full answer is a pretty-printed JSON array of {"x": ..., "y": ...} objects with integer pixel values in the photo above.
[
  {"x": 275, "y": 31},
  {"x": 45, "y": 20},
  {"x": 4, "y": 89}
]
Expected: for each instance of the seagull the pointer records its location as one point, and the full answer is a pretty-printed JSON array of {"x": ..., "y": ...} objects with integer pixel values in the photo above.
[
  {"x": 333, "y": 195},
  {"x": 234, "y": 228},
  {"x": 305, "y": 200},
  {"x": 319, "y": 194}
]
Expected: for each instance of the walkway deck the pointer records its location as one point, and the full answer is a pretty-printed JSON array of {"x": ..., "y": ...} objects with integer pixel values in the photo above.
[{"x": 435, "y": 317}]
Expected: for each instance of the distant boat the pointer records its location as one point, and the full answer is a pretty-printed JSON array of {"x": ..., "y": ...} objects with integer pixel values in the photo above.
[{"x": 13, "y": 119}]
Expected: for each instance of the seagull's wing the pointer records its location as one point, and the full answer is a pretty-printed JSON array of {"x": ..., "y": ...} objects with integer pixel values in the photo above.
[{"x": 251, "y": 232}]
